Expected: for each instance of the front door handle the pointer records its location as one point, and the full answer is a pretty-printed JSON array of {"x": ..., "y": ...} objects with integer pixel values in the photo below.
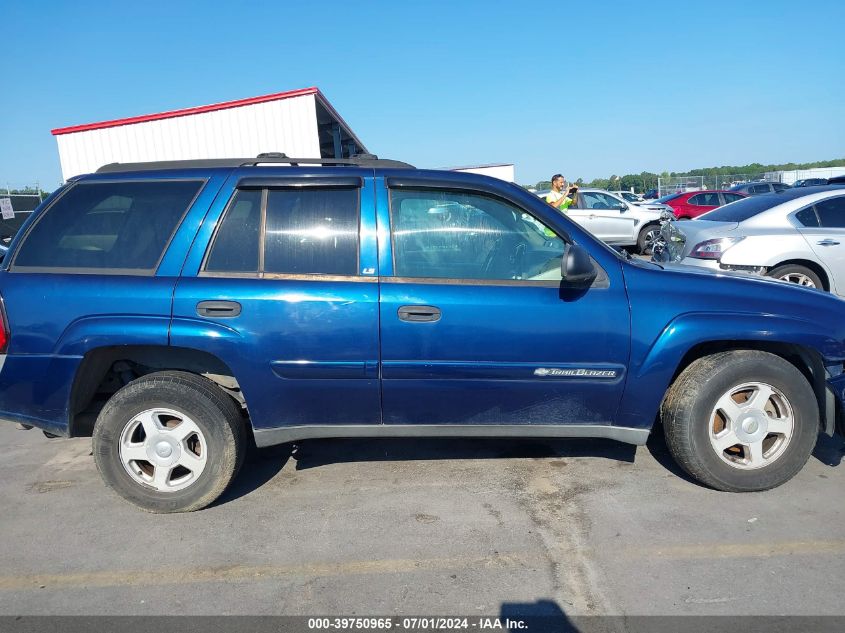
[
  {"x": 219, "y": 309},
  {"x": 419, "y": 314},
  {"x": 828, "y": 242}
]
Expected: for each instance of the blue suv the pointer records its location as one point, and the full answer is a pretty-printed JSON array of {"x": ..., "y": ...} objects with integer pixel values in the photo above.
[{"x": 177, "y": 311}]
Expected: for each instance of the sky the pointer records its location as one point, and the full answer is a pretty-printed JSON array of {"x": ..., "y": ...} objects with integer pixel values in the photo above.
[{"x": 588, "y": 89}]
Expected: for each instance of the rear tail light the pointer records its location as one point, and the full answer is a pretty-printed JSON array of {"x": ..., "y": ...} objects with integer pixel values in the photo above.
[
  {"x": 713, "y": 249},
  {"x": 4, "y": 328}
]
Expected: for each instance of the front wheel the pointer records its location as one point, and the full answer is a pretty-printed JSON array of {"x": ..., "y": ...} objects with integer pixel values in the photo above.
[
  {"x": 741, "y": 421},
  {"x": 169, "y": 442},
  {"x": 648, "y": 235}
]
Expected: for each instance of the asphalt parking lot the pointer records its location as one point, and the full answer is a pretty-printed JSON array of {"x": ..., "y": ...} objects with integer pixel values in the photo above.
[{"x": 472, "y": 527}]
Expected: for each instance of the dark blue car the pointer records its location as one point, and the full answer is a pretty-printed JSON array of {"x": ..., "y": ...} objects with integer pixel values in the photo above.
[{"x": 175, "y": 311}]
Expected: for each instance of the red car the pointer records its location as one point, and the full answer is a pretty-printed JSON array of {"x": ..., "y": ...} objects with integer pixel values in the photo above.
[{"x": 691, "y": 204}]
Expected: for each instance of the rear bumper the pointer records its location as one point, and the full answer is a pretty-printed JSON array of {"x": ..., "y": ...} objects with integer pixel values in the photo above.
[{"x": 35, "y": 390}]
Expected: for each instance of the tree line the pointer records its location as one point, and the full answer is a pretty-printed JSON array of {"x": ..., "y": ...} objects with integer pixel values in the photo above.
[{"x": 646, "y": 180}]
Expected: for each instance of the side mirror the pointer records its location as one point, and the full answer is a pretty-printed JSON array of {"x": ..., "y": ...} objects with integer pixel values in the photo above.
[{"x": 576, "y": 267}]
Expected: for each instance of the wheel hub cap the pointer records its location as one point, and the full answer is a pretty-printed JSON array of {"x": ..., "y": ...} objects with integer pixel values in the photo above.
[
  {"x": 752, "y": 427},
  {"x": 163, "y": 449}
]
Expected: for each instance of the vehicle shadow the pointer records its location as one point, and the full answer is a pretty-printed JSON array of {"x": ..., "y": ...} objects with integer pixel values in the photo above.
[
  {"x": 656, "y": 446},
  {"x": 542, "y": 615},
  {"x": 260, "y": 466},
  {"x": 315, "y": 453}
]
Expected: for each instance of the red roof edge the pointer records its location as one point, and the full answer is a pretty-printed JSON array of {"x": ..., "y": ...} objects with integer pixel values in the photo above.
[{"x": 188, "y": 111}]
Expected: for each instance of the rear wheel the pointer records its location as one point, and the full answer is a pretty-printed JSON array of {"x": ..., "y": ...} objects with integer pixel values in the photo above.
[
  {"x": 741, "y": 421},
  {"x": 169, "y": 442},
  {"x": 801, "y": 275},
  {"x": 647, "y": 237}
]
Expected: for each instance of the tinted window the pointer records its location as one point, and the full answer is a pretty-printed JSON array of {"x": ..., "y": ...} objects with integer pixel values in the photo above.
[
  {"x": 742, "y": 209},
  {"x": 235, "y": 247},
  {"x": 759, "y": 189},
  {"x": 671, "y": 196},
  {"x": 596, "y": 200},
  {"x": 454, "y": 235},
  {"x": 705, "y": 200},
  {"x": 780, "y": 186},
  {"x": 831, "y": 212},
  {"x": 312, "y": 231},
  {"x": 807, "y": 217},
  {"x": 123, "y": 225},
  {"x": 732, "y": 197}
]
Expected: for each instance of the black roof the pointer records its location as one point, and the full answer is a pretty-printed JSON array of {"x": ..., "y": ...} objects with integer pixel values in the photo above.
[
  {"x": 362, "y": 160},
  {"x": 797, "y": 192}
]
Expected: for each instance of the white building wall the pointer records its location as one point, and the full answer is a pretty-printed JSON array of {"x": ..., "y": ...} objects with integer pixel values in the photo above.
[
  {"x": 284, "y": 125},
  {"x": 790, "y": 176},
  {"x": 503, "y": 172}
]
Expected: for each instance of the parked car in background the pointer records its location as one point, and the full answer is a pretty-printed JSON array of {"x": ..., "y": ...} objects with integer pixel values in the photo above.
[
  {"x": 627, "y": 196},
  {"x": 757, "y": 188},
  {"x": 796, "y": 236},
  {"x": 22, "y": 207},
  {"x": 615, "y": 221},
  {"x": 179, "y": 330},
  {"x": 651, "y": 194},
  {"x": 691, "y": 204},
  {"x": 810, "y": 182}
]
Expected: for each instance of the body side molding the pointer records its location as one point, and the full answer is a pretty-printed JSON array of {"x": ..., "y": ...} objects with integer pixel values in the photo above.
[{"x": 281, "y": 435}]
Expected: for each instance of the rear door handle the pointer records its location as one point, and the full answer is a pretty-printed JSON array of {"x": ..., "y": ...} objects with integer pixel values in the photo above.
[
  {"x": 419, "y": 314},
  {"x": 219, "y": 309},
  {"x": 828, "y": 242}
]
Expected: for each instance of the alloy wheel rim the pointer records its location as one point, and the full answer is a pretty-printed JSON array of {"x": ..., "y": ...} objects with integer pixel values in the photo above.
[
  {"x": 163, "y": 449},
  {"x": 798, "y": 278},
  {"x": 751, "y": 425}
]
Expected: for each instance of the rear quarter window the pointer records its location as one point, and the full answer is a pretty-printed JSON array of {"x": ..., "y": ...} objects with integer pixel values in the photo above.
[
  {"x": 742, "y": 209},
  {"x": 101, "y": 226}
]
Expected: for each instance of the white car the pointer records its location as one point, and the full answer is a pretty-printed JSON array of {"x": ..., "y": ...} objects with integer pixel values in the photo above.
[
  {"x": 796, "y": 235},
  {"x": 627, "y": 196},
  {"x": 615, "y": 221}
]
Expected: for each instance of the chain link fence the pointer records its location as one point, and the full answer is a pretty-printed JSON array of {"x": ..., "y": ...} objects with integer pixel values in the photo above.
[{"x": 682, "y": 184}]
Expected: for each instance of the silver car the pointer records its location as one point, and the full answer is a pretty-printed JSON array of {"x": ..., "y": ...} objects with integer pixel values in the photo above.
[{"x": 797, "y": 235}]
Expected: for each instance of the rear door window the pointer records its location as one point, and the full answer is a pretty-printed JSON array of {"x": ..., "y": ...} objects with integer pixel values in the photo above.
[
  {"x": 831, "y": 212},
  {"x": 307, "y": 230},
  {"x": 108, "y": 226},
  {"x": 312, "y": 231}
]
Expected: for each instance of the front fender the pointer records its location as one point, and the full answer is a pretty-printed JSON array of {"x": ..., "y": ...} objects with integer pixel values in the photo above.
[{"x": 649, "y": 379}]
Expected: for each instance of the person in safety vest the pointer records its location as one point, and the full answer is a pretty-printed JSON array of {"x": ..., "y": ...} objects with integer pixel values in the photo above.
[{"x": 561, "y": 197}]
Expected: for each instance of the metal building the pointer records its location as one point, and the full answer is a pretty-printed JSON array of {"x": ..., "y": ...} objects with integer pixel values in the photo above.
[
  {"x": 300, "y": 123},
  {"x": 502, "y": 171}
]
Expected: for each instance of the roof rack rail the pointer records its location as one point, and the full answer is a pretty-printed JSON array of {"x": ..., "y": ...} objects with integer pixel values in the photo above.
[{"x": 276, "y": 158}]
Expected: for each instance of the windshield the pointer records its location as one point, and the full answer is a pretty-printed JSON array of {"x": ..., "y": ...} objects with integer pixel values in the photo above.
[
  {"x": 671, "y": 196},
  {"x": 742, "y": 209}
]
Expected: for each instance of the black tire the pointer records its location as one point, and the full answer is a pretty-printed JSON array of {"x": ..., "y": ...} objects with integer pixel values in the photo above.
[
  {"x": 211, "y": 409},
  {"x": 643, "y": 244},
  {"x": 795, "y": 269},
  {"x": 689, "y": 403}
]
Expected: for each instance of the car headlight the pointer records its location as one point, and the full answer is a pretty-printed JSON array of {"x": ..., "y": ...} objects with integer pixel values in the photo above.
[{"x": 714, "y": 249}]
